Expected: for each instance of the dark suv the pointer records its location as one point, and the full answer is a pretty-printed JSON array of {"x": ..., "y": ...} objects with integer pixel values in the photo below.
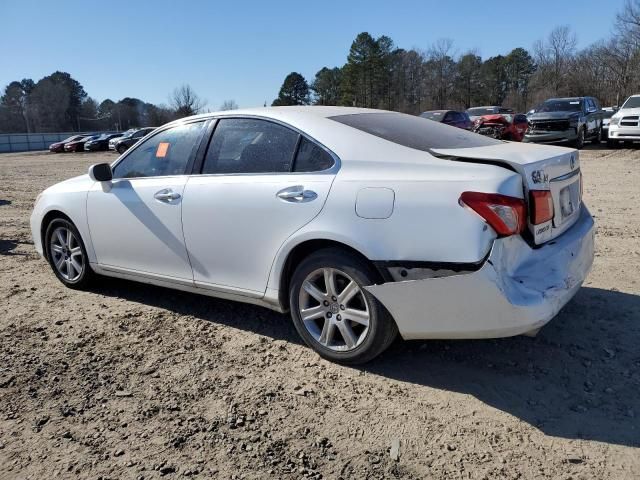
[{"x": 566, "y": 120}]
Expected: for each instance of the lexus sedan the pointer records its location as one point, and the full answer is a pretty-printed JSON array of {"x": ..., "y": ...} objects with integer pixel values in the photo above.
[{"x": 362, "y": 223}]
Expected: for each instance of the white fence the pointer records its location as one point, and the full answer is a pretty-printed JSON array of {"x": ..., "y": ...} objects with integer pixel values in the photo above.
[{"x": 24, "y": 142}]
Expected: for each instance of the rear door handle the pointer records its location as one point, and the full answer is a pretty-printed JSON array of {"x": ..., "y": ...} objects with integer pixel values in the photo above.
[
  {"x": 296, "y": 194},
  {"x": 166, "y": 195}
]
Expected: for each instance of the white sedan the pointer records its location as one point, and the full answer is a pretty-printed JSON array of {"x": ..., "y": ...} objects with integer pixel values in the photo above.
[{"x": 362, "y": 223}]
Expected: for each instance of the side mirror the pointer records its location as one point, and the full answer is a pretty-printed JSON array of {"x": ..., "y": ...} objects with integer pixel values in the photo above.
[{"x": 100, "y": 172}]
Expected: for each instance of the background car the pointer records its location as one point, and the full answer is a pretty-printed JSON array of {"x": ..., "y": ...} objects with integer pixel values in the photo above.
[
  {"x": 476, "y": 112},
  {"x": 78, "y": 145},
  {"x": 449, "y": 117},
  {"x": 607, "y": 113},
  {"x": 59, "y": 146},
  {"x": 362, "y": 223},
  {"x": 100, "y": 143},
  {"x": 505, "y": 126},
  {"x": 572, "y": 120},
  {"x": 624, "y": 125},
  {"x": 112, "y": 142},
  {"x": 122, "y": 143}
]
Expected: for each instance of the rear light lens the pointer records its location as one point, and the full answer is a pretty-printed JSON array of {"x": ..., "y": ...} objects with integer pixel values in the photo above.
[
  {"x": 506, "y": 215},
  {"x": 540, "y": 206}
]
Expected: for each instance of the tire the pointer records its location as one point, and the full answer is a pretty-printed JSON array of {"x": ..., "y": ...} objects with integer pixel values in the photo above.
[
  {"x": 65, "y": 254},
  {"x": 327, "y": 317},
  {"x": 598, "y": 138},
  {"x": 121, "y": 149},
  {"x": 578, "y": 143}
]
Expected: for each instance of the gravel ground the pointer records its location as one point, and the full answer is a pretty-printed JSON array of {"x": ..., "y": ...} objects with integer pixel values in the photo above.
[{"x": 133, "y": 381}]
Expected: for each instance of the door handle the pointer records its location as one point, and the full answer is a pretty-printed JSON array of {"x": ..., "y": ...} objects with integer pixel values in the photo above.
[
  {"x": 296, "y": 194},
  {"x": 166, "y": 195}
]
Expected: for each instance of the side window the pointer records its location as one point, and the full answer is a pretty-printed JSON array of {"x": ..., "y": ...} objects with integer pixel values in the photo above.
[
  {"x": 247, "y": 145},
  {"x": 311, "y": 157},
  {"x": 166, "y": 153},
  {"x": 448, "y": 117}
]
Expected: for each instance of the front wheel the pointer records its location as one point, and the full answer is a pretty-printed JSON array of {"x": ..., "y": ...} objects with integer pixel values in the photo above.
[
  {"x": 67, "y": 255},
  {"x": 332, "y": 311},
  {"x": 121, "y": 149}
]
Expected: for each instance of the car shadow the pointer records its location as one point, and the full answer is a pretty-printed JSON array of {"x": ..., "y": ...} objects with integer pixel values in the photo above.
[
  {"x": 4, "y": 202},
  {"x": 7, "y": 247},
  {"x": 578, "y": 379}
]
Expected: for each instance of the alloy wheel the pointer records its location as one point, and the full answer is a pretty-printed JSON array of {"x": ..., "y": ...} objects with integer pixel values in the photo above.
[
  {"x": 334, "y": 309},
  {"x": 66, "y": 254}
]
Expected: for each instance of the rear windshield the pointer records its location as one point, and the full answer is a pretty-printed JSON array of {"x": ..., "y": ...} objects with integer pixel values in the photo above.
[
  {"x": 480, "y": 111},
  {"x": 414, "y": 132},
  {"x": 632, "y": 102}
]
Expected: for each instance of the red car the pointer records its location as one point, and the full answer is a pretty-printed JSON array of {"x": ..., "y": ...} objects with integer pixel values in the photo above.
[
  {"x": 58, "y": 147},
  {"x": 78, "y": 145},
  {"x": 502, "y": 126}
]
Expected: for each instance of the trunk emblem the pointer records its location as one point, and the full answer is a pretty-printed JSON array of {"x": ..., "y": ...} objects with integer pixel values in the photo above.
[
  {"x": 572, "y": 162},
  {"x": 538, "y": 176}
]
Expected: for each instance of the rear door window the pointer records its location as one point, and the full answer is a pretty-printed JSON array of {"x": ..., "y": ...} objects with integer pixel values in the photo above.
[
  {"x": 248, "y": 145},
  {"x": 312, "y": 157}
]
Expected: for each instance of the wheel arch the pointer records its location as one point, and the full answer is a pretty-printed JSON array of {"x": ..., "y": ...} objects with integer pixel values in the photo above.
[
  {"x": 302, "y": 250},
  {"x": 44, "y": 224}
]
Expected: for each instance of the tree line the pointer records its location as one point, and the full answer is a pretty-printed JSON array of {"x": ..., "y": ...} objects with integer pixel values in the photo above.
[
  {"x": 59, "y": 103},
  {"x": 377, "y": 74}
]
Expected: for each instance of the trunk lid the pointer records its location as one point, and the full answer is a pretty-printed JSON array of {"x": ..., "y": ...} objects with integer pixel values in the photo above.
[{"x": 541, "y": 167}]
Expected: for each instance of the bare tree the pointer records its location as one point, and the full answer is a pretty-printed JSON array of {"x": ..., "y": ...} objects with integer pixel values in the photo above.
[
  {"x": 554, "y": 57},
  {"x": 185, "y": 101},
  {"x": 229, "y": 105},
  {"x": 628, "y": 21}
]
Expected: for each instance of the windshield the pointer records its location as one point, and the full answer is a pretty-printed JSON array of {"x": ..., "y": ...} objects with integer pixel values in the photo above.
[
  {"x": 437, "y": 116},
  {"x": 560, "y": 106},
  {"x": 479, "y": 111},
  {"x": 632, "y": 102},
  {"x": 412, "y": 132}
]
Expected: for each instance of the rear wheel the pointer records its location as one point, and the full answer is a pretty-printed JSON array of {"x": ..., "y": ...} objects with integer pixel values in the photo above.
[
  {"x": 332, "y": 311},
  {"x": 67, "y": 255}
]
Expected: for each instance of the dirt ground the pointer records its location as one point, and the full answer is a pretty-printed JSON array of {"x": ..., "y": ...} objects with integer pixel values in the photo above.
[{"x": 133, "y": 381}]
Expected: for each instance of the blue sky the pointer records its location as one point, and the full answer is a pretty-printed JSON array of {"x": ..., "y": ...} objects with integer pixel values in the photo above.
[{"x": 242, "y": 50}]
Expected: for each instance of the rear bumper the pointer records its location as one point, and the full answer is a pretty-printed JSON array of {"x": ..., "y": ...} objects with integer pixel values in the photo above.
[
  {"x": 551, "y": 137},
  {"x": 517, "y": 290}
]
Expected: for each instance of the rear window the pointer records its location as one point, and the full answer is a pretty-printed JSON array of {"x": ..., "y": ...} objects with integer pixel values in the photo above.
[{"x": 414, "y": 132}]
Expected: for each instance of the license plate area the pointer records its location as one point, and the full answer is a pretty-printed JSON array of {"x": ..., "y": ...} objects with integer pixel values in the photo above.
[{"x": 568, "y": 202}]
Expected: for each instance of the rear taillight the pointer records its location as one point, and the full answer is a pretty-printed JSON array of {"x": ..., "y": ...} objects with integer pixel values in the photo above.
[
  {"x": 506, "y": 215},
  {"x": 540, "y": 206}
]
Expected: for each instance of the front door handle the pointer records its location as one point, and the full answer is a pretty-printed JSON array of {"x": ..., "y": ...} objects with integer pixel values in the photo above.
[
  {"x": 166, "y": 195},
  {"x": 296, "y": 194}
]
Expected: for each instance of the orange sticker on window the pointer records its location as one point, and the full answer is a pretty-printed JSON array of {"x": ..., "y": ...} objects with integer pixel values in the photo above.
[{"x": 163, "y": 148}]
